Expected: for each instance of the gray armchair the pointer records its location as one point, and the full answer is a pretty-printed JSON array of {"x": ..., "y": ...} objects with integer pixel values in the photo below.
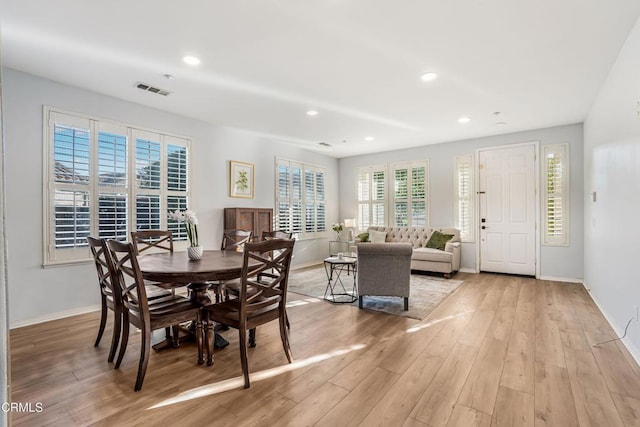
[{"x": 384, "y": 269}]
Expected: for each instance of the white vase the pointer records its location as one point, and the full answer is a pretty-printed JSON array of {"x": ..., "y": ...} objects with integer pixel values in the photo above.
[{"x": 194, "y": 252}]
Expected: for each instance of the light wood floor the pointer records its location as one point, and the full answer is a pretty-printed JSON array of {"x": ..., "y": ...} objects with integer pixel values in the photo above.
[{"x": 500, "y": 351}]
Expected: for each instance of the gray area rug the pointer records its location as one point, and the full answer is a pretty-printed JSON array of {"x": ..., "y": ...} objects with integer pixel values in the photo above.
[{"x": 426, "y": 292}]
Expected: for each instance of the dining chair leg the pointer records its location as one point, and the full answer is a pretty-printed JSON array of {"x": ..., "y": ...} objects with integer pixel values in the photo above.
[
  {"x": 243, "y": 355},
  {"x": 115, "y": 339},
  {"x": 199, "y": 338},
  {"x": 252, "y": 337},
  {"x": 174, "y": 336},
  {"x": 145, "y": 344},
  {"x": 286, "y": 318},
  {"x": 209, "y": 337},
  {"x": 103, "y": 321},
  {"x": 125, "y": 338},
  {"x": 285, "y": 339}
]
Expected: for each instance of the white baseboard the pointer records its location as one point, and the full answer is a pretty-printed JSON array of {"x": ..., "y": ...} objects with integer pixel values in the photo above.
[
  {"x": 561, "y": 279},
  {"x": 633, "y": 350},
  {"x": 468, "y": 270},
  {"x": 54, "y": 316}
]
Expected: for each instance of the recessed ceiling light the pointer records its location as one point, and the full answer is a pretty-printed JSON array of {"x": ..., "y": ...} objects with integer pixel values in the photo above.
[
  {"x": 427, "y": 77},
  {"x": 464, "y": 119},
  {"x": 168, "y": 76},
  {"x": 312, "y": 113},
  {"x": 191, "y": 60},
  {"x": 369, "y": 138},
  {"x": 324, "y": 144},
  {"x": 501, "y": 123}
]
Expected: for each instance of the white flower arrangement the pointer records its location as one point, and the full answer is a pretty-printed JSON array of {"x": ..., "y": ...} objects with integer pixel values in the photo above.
[{"x": 188, "y": 217}]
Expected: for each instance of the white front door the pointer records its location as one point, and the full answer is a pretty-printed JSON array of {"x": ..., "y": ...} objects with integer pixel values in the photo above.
[{"x": 507, "y": 210}]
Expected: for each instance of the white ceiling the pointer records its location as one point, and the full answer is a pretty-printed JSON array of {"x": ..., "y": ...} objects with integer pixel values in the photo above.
[{"x": 357, "y": 62}]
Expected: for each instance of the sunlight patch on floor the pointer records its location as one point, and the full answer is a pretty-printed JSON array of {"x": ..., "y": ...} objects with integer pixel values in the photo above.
[
  {"x": 238, "y": 382},
  {"x": 300, "y": 302},
  {"x": 434, "y": 322}
]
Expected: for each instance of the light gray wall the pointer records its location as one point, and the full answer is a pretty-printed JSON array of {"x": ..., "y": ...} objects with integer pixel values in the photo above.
[
  {"x": 558, "y": 262},
  {"x": 5, "y": 361},
  {"x": 39, "y": 293},
  {"x": 612, "y": 170}
]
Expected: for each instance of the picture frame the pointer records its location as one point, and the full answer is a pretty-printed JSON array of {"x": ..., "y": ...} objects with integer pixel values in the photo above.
[{"x": 241, "y": 179}]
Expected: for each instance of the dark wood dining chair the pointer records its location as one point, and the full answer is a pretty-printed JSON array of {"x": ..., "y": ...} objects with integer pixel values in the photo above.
[
  {"x": 152, "y": 239},
  {"x": 157, "y": 241},
  {"x": 234, "y": 240},
  {"x": 276, "y": 234},
  {"x": 143, "y": 313},
  {"x": 261, "y": 300},
  {"x": 110, "y": 297}
]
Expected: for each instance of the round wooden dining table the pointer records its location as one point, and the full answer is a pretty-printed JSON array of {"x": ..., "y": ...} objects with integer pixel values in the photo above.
[{"x": 175, "y": 269}]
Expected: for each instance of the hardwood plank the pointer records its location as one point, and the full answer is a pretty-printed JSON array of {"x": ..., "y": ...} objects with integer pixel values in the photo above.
[
  {"x": 464, "y": 416},
  {"x": 309, "y": 411},
  {"x": 437, "y": 403},
  {"x": 513, "y": 408},
  {"x": 620, "y": 377},
  {"x": 519, "y": 366},
  {"x": 481, "y": 387},
  {"x": 477, "y": 329},
  {"x": 594, "y": 404},
  {"x": 628, "y": 407},
  {"x": 554, "y": 405},
  {"x": 353, "y": 408},
  {"x": 395, "y": 406}
]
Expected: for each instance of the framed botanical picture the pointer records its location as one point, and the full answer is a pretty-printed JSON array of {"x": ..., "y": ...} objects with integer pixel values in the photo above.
[{"x": 241, "y": 179}]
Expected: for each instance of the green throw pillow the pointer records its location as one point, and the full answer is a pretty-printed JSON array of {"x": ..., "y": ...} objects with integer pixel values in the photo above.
[
  {"x": 364, "y": 237},
  {"x": 438, "y": 240}
]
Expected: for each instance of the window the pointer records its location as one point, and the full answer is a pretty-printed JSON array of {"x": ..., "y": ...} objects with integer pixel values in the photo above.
[
  {"x": 300, "y": 199},
  {"x": 372, "y": 199},
  {"x": 410, "y": 194},
  {"x": 556, "y": 194},
  {"x": 97, "y": 182},
  {"x": 463, "y": 198}
]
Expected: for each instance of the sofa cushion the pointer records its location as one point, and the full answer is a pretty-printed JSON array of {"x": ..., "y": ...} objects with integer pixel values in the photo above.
[
  {"x": 377, "y": 236},
  {"x": 364, "y": 237},
  {"x": 438, "y": 240},
  {"x": 430, "y": 254}
]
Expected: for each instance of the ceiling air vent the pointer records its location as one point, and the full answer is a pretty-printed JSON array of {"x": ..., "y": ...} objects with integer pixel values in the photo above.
[
  {"x": 324, "y": 144},
  {"x": 153, "y": 89}
]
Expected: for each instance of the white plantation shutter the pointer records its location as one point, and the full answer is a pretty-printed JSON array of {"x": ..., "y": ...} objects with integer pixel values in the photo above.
[
  {"x": 300, "y": 198},
  {"x": 372, "y": 196},
  {"x": 177, "y": 182},
  {"x": 556, "y": 194},
  {"x": 409, "y": 196},
  {"x": 464, "y": 198},
  {"x": 104, "y": 179}
]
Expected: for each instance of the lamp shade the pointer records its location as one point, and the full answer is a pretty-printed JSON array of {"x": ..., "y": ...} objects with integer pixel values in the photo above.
[{"x": 350, "y": 222}]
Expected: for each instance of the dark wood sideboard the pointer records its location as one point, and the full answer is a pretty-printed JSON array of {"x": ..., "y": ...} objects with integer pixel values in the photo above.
[{"x": 255, "y": 219}]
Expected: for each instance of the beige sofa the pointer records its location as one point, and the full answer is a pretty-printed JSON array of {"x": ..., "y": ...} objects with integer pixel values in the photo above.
[{"x": 445, "y": 261}]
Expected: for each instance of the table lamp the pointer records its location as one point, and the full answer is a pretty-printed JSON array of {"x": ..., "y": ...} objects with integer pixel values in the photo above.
[{"x": 350, "y": 224}]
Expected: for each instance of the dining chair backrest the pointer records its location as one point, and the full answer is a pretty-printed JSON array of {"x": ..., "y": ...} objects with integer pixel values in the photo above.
[
  {"x": 233, "y": 240},
  {"x": 276, "y": 234},
  {"x": 127, "y": 275},
  {"x": 260, "y": 292},
  {"x": 152, "y": 239},
  {"x": 103, "y": 261}
]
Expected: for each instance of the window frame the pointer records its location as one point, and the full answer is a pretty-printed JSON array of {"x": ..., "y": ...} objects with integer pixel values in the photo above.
[
  {"x": 410, "y": 200},
  {"x": 80, "y": 253},
  {"x": 469, "y": 236},
  {"x": 561, "y": 150},
  {"x": 320, "y": 231}
]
